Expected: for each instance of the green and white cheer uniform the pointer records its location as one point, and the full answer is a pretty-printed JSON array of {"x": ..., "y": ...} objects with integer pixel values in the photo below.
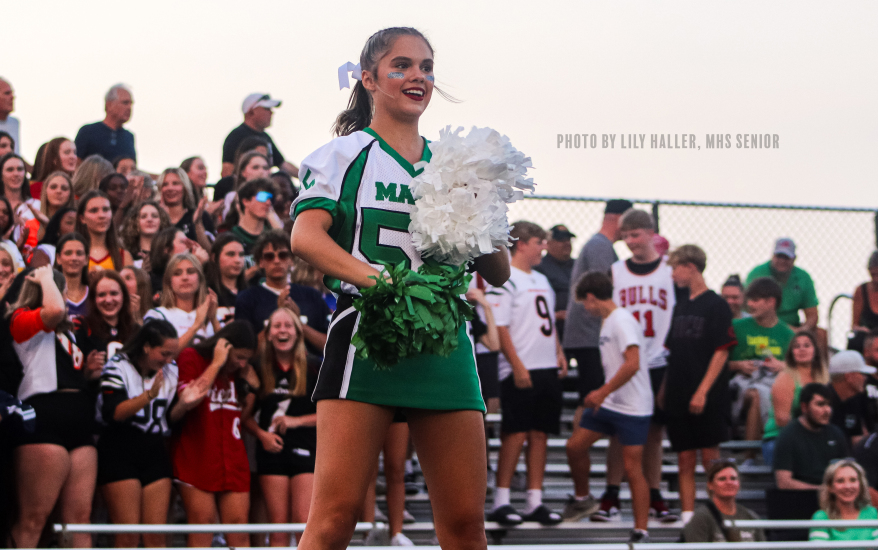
[{"x": 364, "y": 185}]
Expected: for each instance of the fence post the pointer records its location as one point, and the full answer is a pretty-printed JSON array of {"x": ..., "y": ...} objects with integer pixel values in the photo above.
[
  {"x": 876, "y": 229},
  {"x": 655, "y": 216}
]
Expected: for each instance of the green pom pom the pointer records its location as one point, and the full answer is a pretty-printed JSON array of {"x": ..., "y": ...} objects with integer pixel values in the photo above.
[{"x": 408, "y": 313}]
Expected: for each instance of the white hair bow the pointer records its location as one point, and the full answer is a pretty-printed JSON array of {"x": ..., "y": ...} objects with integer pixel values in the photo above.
[{"x": 343, "y": 71}]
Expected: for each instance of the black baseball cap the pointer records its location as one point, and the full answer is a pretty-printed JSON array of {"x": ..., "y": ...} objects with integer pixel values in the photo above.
[
  {"x": 561, "y": 233},
  {"x": 618, "y": 206}
]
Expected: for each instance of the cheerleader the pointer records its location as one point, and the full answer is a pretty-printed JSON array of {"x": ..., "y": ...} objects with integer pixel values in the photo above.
[{"x": 353, "y": 213}]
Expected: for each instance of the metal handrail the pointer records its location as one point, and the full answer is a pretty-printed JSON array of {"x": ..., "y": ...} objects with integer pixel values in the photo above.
[
  {"x": 831, "y": 307},
  {"x": 791, "y": 545},
  {"x": 800, "y": 523}
]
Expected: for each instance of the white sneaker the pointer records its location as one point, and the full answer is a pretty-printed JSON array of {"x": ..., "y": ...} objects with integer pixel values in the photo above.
[
  {"x": 401, "y": 540},
  {"x": 377, "y": 536}
]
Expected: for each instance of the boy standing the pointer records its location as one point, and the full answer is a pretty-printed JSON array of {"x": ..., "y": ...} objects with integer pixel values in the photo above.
[
  {"x": 694, "y": 402},
  {"x": 622, "y": 407},
  {"x": 530, "y": 389}
]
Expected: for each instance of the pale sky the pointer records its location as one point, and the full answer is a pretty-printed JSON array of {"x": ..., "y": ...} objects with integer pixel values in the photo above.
[{"x": 803, "y": 70}]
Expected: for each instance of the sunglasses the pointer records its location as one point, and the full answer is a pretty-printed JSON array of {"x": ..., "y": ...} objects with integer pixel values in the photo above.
[
  {"x": 263, "y": 196},
  {"x": 282, "y": 256}
]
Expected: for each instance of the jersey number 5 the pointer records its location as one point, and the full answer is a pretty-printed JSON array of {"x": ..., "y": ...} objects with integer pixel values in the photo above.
[
  {"x": 648, "y": 331},
  {"x": 544, "y": 313},
  {"x": 374, "y": 220}
]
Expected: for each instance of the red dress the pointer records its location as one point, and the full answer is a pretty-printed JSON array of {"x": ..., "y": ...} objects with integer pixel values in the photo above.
[{"x": 208, "y": 452}]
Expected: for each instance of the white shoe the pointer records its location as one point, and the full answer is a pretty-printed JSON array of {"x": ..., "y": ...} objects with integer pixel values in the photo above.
[
  {"x": 401, "y": 540},
  {"x": 377, "y": 536}
]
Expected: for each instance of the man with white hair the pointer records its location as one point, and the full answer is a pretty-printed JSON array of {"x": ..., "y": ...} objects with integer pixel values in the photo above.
[
  {"x": 8, "y": 123},
  {"x": 257, "y": 109},
  {"x": 108, "y": 138}
]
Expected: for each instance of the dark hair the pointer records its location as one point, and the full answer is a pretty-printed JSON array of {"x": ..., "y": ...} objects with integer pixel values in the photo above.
[
  {"x": 25, "y": 185},
  {"x": 53, "y": 228},
  {"x": 718, "y": 466},
  {"x": 595, "y": 283},
  {"x": 75, "y": 236},
  {"x": 50, "y": 160},
  {"x": 118, "y": 160},
  {"x": 250, "y": 143},
  {"x": 105, "y": 182},
  {"x": 93, "y": 319},
  {"x": 764, "y": 287},
  {"x": 130, "y": 230},
  {"x": 161, "y": 248},
  {"x": 211, "y": 268},
  {"x": 110, "y": 240},
  {"x": 186, "y": 165},
  {"x": 10, "y": 214},
  {"x": 276, "y": 238},
  {"x": 239, "y": 333},
  {"x": 247, "y": 191},
  {"x": 734, "y": 280},
  {"x": 358, "y": 115},
  {"x": 154, "y": 332},
  {"x": 524, "y": 231},
  {"x": 287, "y": 181},
  {"x": 810, "y": 390},
  {"x": 9, "y": 136}
]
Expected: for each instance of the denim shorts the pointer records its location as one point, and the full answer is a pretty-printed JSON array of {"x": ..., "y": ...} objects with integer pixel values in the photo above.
[{"x": 631, "y": 430}]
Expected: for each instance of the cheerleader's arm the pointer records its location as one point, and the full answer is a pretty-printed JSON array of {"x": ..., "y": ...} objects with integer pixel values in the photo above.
[{"x": 494, "y": 267}]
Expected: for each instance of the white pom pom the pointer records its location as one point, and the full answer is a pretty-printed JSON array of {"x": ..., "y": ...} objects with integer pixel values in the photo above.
[{"x": 461, "y": 197}]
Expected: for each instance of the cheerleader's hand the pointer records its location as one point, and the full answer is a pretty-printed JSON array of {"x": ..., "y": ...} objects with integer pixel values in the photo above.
[{"x": 271, "y": 442}]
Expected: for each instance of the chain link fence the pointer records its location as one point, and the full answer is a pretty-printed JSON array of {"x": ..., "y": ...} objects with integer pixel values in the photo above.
[{"x": 832, "y": 244}]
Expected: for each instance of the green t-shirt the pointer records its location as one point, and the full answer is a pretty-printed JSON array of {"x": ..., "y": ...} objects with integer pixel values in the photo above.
[
  {"x": 854, "y": 533},
  {"x": 798, "y": 292},
  {"x": 754, "y": 340}
]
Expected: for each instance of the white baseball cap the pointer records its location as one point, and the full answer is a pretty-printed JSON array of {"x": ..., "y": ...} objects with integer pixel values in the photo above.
[
  {"x": 849, "y": 361},
  {"x": 258, "y": 100}
]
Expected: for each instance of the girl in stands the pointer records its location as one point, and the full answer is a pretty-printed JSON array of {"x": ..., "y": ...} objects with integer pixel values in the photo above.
[
  {"x": 168, "y": 243},
  {"x": 56, "y": 194},
  {"x": 108, "y": 321},
  {"x": 139, "y": 290},
  {"x": 72, "y": 261},
  {"x": 15, "y": 187},
  {"x": 142, "y": 224},
  {"x": 89, "y": 175},
  {"x": 94, "y": 221},
  {"x": 186, "y": 301},
  {"x": 137, "y": 388},
  {"x": 57, "y": 463},
  {"x": 59, "y": 155},
  {"x": 210, "y": 462},
  {"x": 356, "y": 403},
  {"x": 225, "y": 274},
  {"x": 284, "y": 422},
  {"x": 185, "y": 213}
]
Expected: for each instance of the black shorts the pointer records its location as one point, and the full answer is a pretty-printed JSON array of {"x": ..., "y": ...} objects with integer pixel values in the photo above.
[
  {"x": 65, "y": 418},
  {"x": 128, "y": 453},
  {"x": 536, "y": 408},
  {"x": 703, "y": 431},
  {"x": 656, "y": 377},
  {"x": 589, "y": 370},
  {"x": 290, "y": 462},
  {"x": 486, "y": 365}
]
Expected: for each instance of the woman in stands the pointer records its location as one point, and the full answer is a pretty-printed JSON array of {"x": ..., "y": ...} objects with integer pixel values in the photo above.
[
  {"x": 286, "y": 422},
  {"x": 225, "y": 274},
  {"x": 186, "y": 301},
  {"x": 72, "y": 261},
  {"x": 865, "y": 313},
  {"x": 59, "y": 155},
  {"x": 708, "y": 523},
  {"x": 208, "y": 455},
  {"x": 803, "y": 365},
  {"x": 108, "y": 322},
  {"x": 142, "y": 225},
  {"x": 89, "y": 175},
  {"x": 94, "y": 221},
  {"x": 166, "y": 244},
  {"x": 56, "y": 194},
  {"x": 844, "y": 495},
  {"x": 134, "y": 469},
  {"x": 62, "y": 223},
  {"x": 57, "y": 463},
  {"x": 139, "y": 290},
  {"x": 15, "y": 187},
  {"x": 179, "y": 201},
  {"x": 380, "y": 141}
]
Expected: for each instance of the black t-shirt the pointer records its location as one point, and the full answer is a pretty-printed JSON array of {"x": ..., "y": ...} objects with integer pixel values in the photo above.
[
  {"x": 866, "y": 455},
  {"x": 559, "y": 274},
  {"x": 680, "y": 293},
  {"x": 236, "y": 136},
  {"x": 225, "y": 304},
  {"x": 699, "y": 328},
  {"x": 807, "y": 454},
  {"x": 100, "y": 139},
  {"x": 257, "y": 303},
  {"x": 187, "y": 224},
  {"x": 849, "y": 415},
  {"x": 87, "y": 341},
  {"x": 281, "y": 402},
  {"x": 223, "y": 187}
]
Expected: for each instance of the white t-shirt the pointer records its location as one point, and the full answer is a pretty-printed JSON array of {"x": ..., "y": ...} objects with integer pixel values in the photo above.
[
  {"x": 650, "y": 298},
  {"x": 619, "y": 331},
  {"x": 26, "y": 214},
  {"x": 182, "y": 321},
  {"x": 11, "y": 127},
  {"x": 526, "y": 306}
]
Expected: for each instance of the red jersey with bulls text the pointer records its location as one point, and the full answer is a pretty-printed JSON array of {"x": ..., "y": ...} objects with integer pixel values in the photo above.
[{"x": 650, "y": 298}]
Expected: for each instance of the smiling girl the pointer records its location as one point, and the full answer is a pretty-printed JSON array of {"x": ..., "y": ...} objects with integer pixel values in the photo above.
[
  {"x": 108, "y": 322},
  {"x": 142, "y": 224},
  {"x": 845, "y": 495},
  {"x": 71, "y": 260},
  {"x": 94, "y": 221},
  {"x": 353, "y": 214}
]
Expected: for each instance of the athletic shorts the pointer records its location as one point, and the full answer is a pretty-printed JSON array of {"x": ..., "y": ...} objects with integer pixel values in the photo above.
[
  {"x": 127, "y": 454},
  {"x": 656, "y": 377},
  {"x": 290, "y": 462},
  {"x": 589, "y": 369},
  {"x": 536, "y": 408},
  {"x": 631, "y": 430},
  {"x": 703, "y": 431},
  {"x": 486, "y": 364},
  {"x": 65, "y": 418}
]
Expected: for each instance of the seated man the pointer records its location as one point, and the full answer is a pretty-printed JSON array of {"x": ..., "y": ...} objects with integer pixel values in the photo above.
[
  {"x": 621, "y": 407},
  {"x": 796, "y": 285},
  {"x": 848, "y": 371},
  {"x": 806, "y": 446}
]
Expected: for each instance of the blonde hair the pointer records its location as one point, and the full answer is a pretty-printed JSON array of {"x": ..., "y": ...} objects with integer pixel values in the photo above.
[
  {"x": 188, "y": 194},
  {"x": 44, "y": 198},
  {"x": 827, "y": 499},
  {"x": 90, "y": 173},
  {"x": 298, "y": 375},
  {"x": 689, "y": 254},
  {"x": 169, "y": 299}
]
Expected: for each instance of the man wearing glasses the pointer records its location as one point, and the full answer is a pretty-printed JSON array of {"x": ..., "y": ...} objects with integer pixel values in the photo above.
[{"x": 257, "y": 110}]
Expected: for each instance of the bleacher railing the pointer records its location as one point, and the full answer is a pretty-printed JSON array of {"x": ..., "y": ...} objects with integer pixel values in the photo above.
[{"x": 832, "y": 243}]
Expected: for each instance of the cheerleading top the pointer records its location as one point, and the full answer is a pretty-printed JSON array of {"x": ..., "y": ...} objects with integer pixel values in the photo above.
[{"x": 364, "y": 185}]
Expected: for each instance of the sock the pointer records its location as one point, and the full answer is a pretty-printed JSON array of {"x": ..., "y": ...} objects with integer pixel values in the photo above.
[
  {"x": 642, "y": 531},
  {"x": 581, "y": 498},
  {"x": 534, "y": 499},
  {"x": 612, "y": 492},
  {"x": 686, "y": 515},
  {"x": 655, "y": 495},
  {"x": 501, "y": 497}
]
